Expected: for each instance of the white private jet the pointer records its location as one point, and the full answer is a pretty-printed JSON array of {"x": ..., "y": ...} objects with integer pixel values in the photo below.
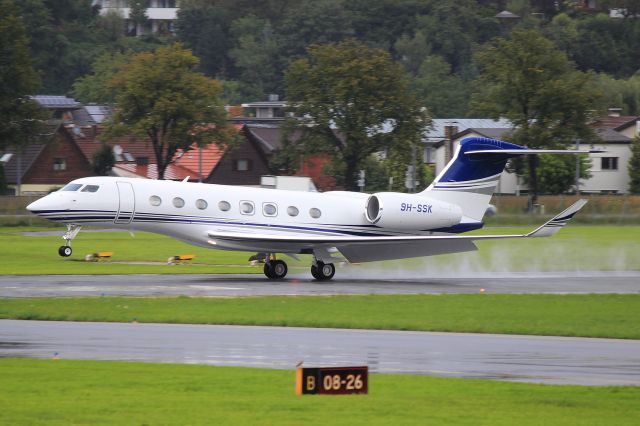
[{"x": 357, "y": 226}]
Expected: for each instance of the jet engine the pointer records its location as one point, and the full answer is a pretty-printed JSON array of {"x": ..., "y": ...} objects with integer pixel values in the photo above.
[{"x": 392, "y": 210}]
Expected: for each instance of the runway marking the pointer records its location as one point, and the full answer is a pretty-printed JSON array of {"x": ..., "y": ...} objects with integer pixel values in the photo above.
[{"x": 212, "y": 287}]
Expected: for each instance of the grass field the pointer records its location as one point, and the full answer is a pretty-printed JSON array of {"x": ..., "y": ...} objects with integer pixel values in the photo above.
[
  {"x": 614, "y": 316},
  {"x": 574, "y": 248},
  {"x": 47, "y": 392}
]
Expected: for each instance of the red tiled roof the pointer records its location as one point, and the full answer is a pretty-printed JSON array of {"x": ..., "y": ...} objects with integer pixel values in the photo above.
[
  {"x": 150, "y": 171},
  {"x": 211, "y": 156}
]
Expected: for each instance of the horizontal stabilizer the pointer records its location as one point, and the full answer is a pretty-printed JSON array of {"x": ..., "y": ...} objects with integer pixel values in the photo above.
[{"x": 526, "y": 151}]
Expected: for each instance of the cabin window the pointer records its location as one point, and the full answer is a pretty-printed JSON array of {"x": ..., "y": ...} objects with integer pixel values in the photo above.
[
  {"x": 71, "y": 187},
  {"x": 315, "y": 213},
  {"x": 269, "y": 209},
  {"x": 178, "y": 202},
  {"x": 292, "y": 211},
  {"x": 201, "y": 204},
  {"x": 59, "y": 164},
  {"x": 246, "y": 207},
  {"x": 224, "y": 206},
  {"x": 91, "y": 188},
  {"x": 154, "y": 200},
  {"x": 609, "y": 163}
]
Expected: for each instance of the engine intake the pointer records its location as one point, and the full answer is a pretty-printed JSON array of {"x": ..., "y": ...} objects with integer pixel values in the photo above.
[{"x": 392, "y": 210}]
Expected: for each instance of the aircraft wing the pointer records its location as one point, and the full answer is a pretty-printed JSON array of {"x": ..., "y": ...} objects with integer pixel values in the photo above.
[{"x": 372, "y": 248}]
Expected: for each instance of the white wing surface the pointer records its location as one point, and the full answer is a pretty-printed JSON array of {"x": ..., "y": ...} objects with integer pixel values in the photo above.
[{"x": 366, "y": 249}]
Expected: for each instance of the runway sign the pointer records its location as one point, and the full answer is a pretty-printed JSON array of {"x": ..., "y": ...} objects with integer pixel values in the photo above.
[{"x": 332, "y": 380}]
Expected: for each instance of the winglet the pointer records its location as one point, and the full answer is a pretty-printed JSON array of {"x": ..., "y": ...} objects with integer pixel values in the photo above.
[{"x": 557, "y": 222}]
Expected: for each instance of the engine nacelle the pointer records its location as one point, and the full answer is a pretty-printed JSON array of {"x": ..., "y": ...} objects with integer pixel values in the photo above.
[{"x": 414, "y": 212}]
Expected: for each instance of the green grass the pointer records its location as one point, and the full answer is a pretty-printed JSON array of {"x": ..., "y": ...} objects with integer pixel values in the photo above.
[
  {"x": 574, "y": 248},
  {"x": 614, "y": 316},
  {"x": 47, "y": 392}
]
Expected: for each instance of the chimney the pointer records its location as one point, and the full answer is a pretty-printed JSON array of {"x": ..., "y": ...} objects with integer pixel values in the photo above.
[
  {"x": 615, "y": 112},
  {"x": 450, "y": 129}
]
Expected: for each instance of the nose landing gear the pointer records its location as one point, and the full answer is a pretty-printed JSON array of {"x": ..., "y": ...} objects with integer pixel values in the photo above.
[{"x": 72, "y": 231}]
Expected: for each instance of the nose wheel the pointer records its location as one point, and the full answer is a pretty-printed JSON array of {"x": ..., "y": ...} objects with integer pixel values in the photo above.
[
  {"x": 65, "y": 251},
  {"x": 72, "y": 231},
  {"x": 323, "y": 271},
  {"x": 275, "y": 269}
]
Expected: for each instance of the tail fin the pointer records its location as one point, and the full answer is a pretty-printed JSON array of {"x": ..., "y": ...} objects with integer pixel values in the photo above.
[{"x": 469, "y": 180}]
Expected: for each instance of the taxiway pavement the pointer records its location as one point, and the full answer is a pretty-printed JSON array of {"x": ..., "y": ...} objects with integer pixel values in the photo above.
[
  {"x": 303, "y": 284},
  {"x": 541, "y": 359}
]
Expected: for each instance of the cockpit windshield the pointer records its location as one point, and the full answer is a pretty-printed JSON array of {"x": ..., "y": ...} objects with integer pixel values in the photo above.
[
  {"x": 72, "y": 187},
  {"x": 90, "y": 188}
]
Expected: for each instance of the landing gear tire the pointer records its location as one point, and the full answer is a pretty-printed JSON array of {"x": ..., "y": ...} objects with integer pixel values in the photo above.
[
  {"x": 323, "y": 271},
  {"x": 65, "y": 251},
  {"x": 275, "y": 269}
]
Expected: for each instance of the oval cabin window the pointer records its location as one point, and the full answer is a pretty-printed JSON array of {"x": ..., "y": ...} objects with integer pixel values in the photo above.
[
  {"x": 154, "y": 200},
  {"x": 178, "y": 202},
  {"x": 201, "y": 204},
  {"x": 315, "y": 213},
  {"x": 269, "y": 209},
  {"x": 292, "y": 211},
  {"x": 246, "y": 207},
  {"x": 224, "y": 206}
]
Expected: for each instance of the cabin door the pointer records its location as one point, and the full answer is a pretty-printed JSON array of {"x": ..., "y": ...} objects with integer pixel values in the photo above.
[{"x": 127, "y": 203}]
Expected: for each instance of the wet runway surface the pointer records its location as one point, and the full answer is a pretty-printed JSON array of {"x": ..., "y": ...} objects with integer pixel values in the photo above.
[
  {"x": 301, "y": 284},
  {"x": 538, "y": 359}
]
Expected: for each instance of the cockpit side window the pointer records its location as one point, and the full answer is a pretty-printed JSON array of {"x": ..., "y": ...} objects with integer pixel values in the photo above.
[
  {"x": 72, "y": 187},
  {"x": 90, "y": 188}
]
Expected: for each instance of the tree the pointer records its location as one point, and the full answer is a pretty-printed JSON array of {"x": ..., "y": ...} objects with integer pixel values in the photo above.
[
  {"x": 634, "y": 167},
  {"x": 161, "y": 96},
  {"x": 94, "y": 87},
  {"x": 20, "y": 117},
  {"x": 530, "y": 82},
  {"x": 103, "y": 160},
  {"x": 138, "y": 16},
  {"x": 363, "y": 93}
]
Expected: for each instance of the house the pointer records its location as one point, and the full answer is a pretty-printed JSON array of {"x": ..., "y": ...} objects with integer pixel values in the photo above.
[
  {"x": 609, "y": 169},
  {"x": 161, "y": 13}
]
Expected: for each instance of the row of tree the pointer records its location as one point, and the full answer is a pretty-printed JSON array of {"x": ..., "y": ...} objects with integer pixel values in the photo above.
[{"x": 368, "y": 92}]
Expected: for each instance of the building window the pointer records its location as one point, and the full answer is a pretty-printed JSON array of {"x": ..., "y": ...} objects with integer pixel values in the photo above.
[
  {"x": 609, "y": 163},
  {"x": 155, "y": 201},
  {"x": 224, "y": 206},
  {"x": 201, "y": 204},
  {"x": 242, "y": 165},
  {"x": 178, "y": 202},
  {"x": 315, "y": 213},
  {"x": 269, "y": 209},
  {"x": 247, "y": 207},
  {"x": 292, "y": 211},
  {"x": 60, "y": 164}
]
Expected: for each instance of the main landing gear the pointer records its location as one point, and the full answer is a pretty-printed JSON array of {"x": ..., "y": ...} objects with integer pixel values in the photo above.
[
  {"x": 276, "y": 269},
  {"x": 72, "y": 231},
  {"x": 322, "y": 271}
]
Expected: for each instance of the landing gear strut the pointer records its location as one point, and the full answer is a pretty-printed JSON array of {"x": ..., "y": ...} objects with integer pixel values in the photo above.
[
  {"x": 275, "y": 269},
  {"x": 72, "y": 231},
  {"x": 322, "y": 271}
]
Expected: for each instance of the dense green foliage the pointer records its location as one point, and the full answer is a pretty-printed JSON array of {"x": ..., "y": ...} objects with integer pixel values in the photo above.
[
  {"x": 19, "y": 115},
  {"x": 249, "y": 45},
  {"x": 603, "y": 315},
  {"x": 335, "y": 87},
  {"x": 63, "y": 392},
  {"x": 163, "y": 98}
]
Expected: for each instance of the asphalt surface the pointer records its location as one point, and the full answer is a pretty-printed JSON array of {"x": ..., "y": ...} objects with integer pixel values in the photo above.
[
  {"x": 303, "y": 284},
  {"x": 556, "y": 360}
]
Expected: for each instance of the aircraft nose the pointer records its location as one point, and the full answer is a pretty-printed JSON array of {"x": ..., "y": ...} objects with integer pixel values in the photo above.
[{"x": 38, "y": 205}]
